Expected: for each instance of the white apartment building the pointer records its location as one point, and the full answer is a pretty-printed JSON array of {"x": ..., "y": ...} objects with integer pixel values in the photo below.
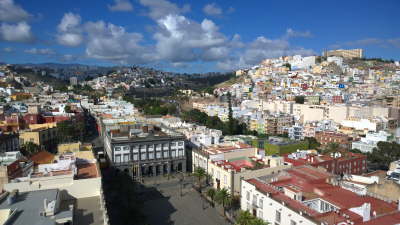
[
  {"x": 296, "y": 132},
  {"x": 370, "y": 141},
  {"x": 304, "y": 196}
]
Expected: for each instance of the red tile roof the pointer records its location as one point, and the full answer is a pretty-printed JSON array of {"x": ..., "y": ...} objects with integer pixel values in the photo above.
[
  {"x": 313, "y": 183},
  {"x": 42, "y": 157}
]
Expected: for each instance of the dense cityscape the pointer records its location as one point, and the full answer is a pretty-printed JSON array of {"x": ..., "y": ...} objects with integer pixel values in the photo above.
[{"x": 294, "y": 138}]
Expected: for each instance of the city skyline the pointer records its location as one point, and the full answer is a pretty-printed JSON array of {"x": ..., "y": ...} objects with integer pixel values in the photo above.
[{"x": 197, "y": 37}]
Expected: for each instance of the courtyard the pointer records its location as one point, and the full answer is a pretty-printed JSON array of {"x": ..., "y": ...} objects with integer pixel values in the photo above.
[{"x": 170, "y": 202}]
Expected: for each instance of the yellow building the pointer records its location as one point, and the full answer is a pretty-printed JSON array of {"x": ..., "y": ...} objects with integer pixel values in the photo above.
[
  {"x": 42, "y": 126},
  {"x": 20, "y": 96},
  {"x": 73, "y": 147},
  {"x": 44, "y": 137},
  {"x": 229, "y": 173}
]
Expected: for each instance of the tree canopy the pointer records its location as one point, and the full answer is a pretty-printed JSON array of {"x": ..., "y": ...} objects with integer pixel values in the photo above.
[{"x": 384, "y": 154}]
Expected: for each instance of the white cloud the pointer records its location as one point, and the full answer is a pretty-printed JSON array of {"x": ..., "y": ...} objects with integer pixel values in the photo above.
[
  {"x": 70, "y": 39},
  {"x": 8, "y": 49},
  {"x": 69, "y": 30},
  {"x": 43, "y": 51},
  {"x": 13, "y": 26},
  {"x": 259, "y": 49},
  {"x": 20, "y": 32},
  {"x": 111, "y": 42},
  {"x": 180, "y": 39},
  {"x": 293, "y": 33},
  {"x": 69, "y": 22},
  {"x": 10, "y": 12},
  {"x": 212, "y": 9},
  {"x": 160, "y": 8},
  {"x": 121, "y": 5}
]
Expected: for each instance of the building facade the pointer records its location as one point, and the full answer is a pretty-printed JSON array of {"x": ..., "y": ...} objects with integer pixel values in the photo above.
[
  {"x": 9, "y": 142},
  {"x": 146, "y": 150}
]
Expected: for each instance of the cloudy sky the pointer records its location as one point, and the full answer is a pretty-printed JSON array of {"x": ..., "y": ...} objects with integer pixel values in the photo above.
[{"x": 192, "y": 36}]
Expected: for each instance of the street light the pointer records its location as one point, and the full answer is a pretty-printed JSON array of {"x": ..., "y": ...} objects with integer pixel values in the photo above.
[{"x": 181, "y": 182}]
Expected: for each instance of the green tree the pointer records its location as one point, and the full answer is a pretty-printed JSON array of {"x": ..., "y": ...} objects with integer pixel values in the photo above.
[
  {"x": 246, "y": 218},
  {"x": 288, "y": 66},
  {"x": 200, "y": 173},
  {"x": 31, "y": 148},
  {"x": 299, "y": 99},
  {"x": 67, "y": 108},
  {"x": 312, "y": 143},
  {"x": 211, "y": 193},
  {"x": 384, "y": 154},
  {"x": 332, "y": 147},
  {"x": 224, "y": 198}
]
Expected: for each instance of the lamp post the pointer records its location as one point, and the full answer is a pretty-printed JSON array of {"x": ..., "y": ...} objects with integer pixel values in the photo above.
[{"x": 181, "y": 178}]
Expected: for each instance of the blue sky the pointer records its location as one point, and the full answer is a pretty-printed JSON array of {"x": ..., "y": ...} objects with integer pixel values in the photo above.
[{"x": 195, "y": 36}]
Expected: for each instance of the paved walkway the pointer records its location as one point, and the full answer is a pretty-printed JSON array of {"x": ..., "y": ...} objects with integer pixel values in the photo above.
[{"x": 165, "y": 205}]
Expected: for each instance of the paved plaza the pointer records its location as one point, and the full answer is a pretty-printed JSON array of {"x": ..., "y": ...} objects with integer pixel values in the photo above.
[{"x": 164, "y": 204}]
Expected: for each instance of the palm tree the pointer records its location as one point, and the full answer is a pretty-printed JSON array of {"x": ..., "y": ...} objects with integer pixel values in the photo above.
[
  {"x": 211, "y": 193},
  {"x": 200, "y": 173},
  {"x": 224, "y": 198},
  {"x": 244, "y": 218},
  {"x": 31, "y": 148},
  {"x": 258, "y": 221}
]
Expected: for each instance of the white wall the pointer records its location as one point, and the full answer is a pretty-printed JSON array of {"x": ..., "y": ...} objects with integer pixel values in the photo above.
[
  {"x": 76, "y": 188},
  {"x": 267, "y": 210}
]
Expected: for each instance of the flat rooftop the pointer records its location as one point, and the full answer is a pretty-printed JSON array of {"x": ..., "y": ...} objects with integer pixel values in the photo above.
[
  {"x": 29, "y": 206},
  {"x": 222, "y": 148},
  {"x": 88, "y": 211}
]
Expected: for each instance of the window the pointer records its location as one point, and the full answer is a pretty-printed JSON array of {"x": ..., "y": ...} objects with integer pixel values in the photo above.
[
  {"x": 260, "y": 214},
  {"x": 166, "y": 154},
  {"x": 143, "y": 156},
  {"x": 135, "y": 157},
  {"x": 117, "y": 149},
  {"x": 292, "y": 222},
  {"x": 180, "y": 153},
  {"x": 173, "y": 143},
  {"x": 158, "y": 155},
  {"x": 125, "y": 148},
  {"x": 180, "y": 143},
  {"x": 126, "y": 158},
  {"x": 173, "y": 154},
  {"x": 225, "y": 179},
  {"x": 151, "y": 155},
  {"x": 248, "y": 196},
  {"x": 117, "y": 158},
  {"x": 277, "y": 216},
  {"x": 151, "y": 148},
  {"x": 255, "y": 200},
  {"x": 260, "y": 203}
]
